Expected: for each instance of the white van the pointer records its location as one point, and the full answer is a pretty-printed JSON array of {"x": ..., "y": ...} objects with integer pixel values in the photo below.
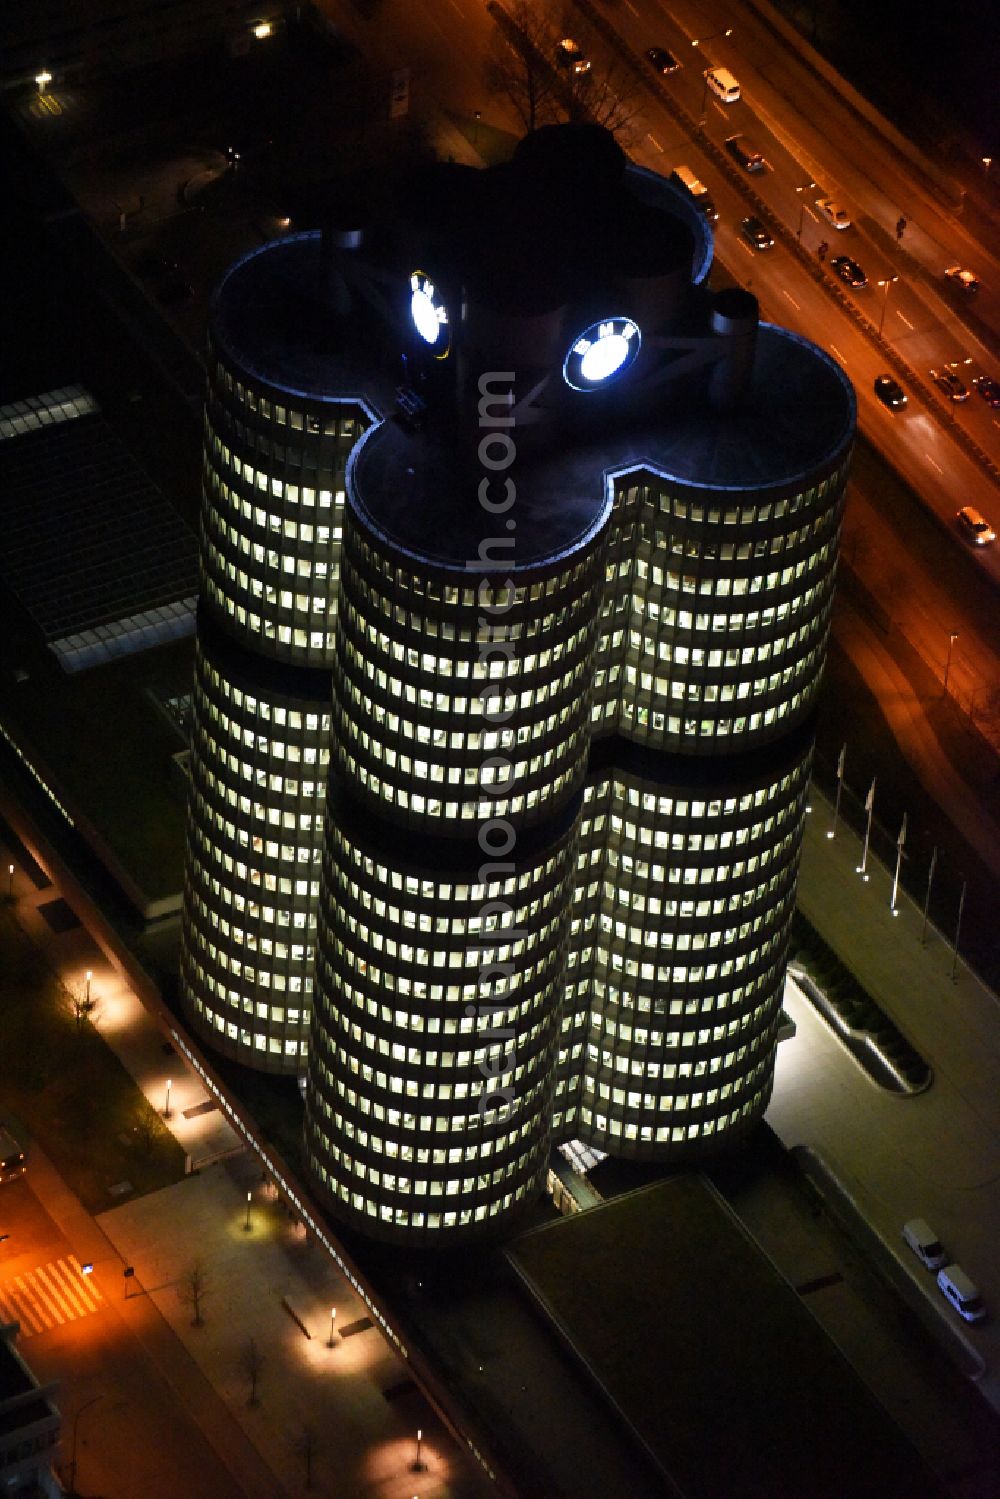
[
  {"x": 960, "y": 1291},
  {"x": 924, "y": 1242},
  {"x": 723, "y": 85}
]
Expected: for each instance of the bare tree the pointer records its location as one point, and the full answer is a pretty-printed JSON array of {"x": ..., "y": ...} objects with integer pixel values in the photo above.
[
  {"x": 519, "y": 62},
  {"x": 252, "y": 1363},
  {"x": 304, "y": 1446},
  {"x": 82, "y": 1005},
  {"x": 192, "y": 1288},
  {"x": 145, "y": 1127},
  {"x": 607, "y": 98}
]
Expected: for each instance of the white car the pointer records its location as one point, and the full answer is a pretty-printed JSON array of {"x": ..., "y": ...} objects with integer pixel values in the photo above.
[{"x": 833, "y": 213}]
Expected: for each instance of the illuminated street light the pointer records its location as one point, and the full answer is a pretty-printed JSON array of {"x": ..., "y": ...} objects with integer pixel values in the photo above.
[
  {"x": 885, "y": 285},
  {"x": 699, "y": 41},
  {"x": 953, "y": 636},
  {"x": 43, "y": 79},
  {"x": 90, "y": 975},
  {"x": 333, "y": 1325},
  {"x": 166, "y": 1106},
  {"x": 418, "y": 1465},
  {"x": 76, "y": 1422},
  {"x": 246, "y": 1225},
  {"x": 869, "y": 808},
  {"x": 10, "y": 882},
  {"x": 987, "y": 163},
  {"x": 805, "y": 188},
  {"x": 262, "y": 30}
]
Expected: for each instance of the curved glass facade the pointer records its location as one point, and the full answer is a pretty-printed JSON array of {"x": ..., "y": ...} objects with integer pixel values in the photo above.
[
  {"x": 435, "y": 1028},
  {"x": 683, "y": 900},
  {"x": 716, "y": 612},
  {"x": 458, "y": 699},
  {"x": 272, "y": 512},
  {"x": 502, "y": 852}
]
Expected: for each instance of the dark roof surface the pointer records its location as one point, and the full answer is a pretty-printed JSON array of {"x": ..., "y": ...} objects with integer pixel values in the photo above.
[{"x": 709, "y": 1355}]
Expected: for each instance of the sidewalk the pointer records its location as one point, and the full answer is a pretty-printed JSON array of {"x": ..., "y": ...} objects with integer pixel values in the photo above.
[
  {"x": 195, "y": 1120},
  {"x": 354, "y": 1404},
  {"x": 936, "y": 1155}
]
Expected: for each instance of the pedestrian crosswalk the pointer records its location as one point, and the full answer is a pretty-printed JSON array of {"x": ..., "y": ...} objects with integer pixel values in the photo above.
[{"x": 48, "y": 1295}]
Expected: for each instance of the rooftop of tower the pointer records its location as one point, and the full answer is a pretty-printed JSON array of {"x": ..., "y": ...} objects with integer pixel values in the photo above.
[{"x": 523, "y": 258}]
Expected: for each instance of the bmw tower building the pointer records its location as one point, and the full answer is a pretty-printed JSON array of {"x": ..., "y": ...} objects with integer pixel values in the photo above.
[{"x": 571, "y": 641}]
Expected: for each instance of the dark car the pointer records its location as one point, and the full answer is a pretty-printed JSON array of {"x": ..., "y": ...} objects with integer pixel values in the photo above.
[
  {"x": 952, "y": 386},
  {"x": 174, "y": 289},
  {"x": 662, "y": 60},
  {"x": 848, "y": 270},
  {"x": 890, "y": 392},
  {"x": 963, "y": 278},
  {"x": 569, "y": 54},
  {"x": 152, "y": 265},
  {"x": 756, "y": 234},
  {"x": 988, "y": 388},
  {"x": 749, "y": 158}
]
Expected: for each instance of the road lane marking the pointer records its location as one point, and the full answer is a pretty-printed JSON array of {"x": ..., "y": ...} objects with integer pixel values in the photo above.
[
  {"x": 903, "y": 319},
  {"x": 49, "y": 1295},
  {"x": 656, "y": 143},
  {"x": 13, "y": 1311},
  {"x": 930, "y": 460},
  {"x": 57, "y": 1293},
  {"x": 791, "y": 299}
]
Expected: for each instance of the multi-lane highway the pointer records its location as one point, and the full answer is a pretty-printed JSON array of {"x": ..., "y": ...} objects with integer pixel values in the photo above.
[{"x": 811, "y": 137}]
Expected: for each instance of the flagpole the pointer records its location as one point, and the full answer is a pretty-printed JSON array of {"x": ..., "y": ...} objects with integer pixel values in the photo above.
[
  {"x": 869, "y": 806},
  {"x": 958, "y": 928},
  {"x": 832, "y": 833},
  {"x": 927, "y": 897},
  {"x": 899, "y": 859}
]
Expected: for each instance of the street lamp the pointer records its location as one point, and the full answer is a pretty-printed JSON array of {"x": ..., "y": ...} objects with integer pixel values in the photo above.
[
  {"x": 333, "y": 1325},
  {"x": 885, "y": 285},
  {"x": 805, "y": 188},
  {"x": 987, "y": 163},
  {"x": 166, "y": 1106},
  {"x": 10, "y": 882},
  {"x": 43, "y": 79},
  {"x": 953, "y": 636},
  {"x": 76, "y": 1422},
  {"x": 90, "y": 975},
  {"x": 246, "y": 1225},
  {"x": 418, "y": 1465}
]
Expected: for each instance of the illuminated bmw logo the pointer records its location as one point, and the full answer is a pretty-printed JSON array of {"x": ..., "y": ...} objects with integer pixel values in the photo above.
[
  {"x": 429, "y": 313},
  {"x": 602, "y": 353}
]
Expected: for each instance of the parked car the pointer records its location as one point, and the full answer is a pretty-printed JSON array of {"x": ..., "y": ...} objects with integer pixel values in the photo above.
[
  {"x": 988, "y": 388},
  {"x": 569, "y": 54},
  {"x": 833, "y": 213},
  {"x": 848, "y": 270},
  {"x": 662, "y": 60},
  {"x": 975, "y": 527},
  {"x": 749, "y": 158},
  {"x": 963, "y": 279},
  {"x": 925, "y": 1243},
  {"x": 960, "y": 1291},
  {"x": 756, "y": 233},
  {"x": 890, "y": 392},
  {"x": 952, "y": 386}
]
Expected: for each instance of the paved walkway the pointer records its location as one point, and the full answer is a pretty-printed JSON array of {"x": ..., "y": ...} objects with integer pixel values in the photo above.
[
  {"x": 354, "y": 1404},
  {"x": 936, "y": 1155}
]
